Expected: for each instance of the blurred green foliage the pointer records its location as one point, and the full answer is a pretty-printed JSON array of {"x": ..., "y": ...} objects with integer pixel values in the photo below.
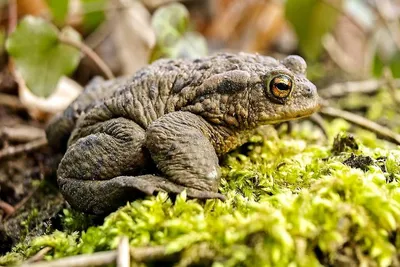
[
  {"x": 93, "y": 13},
  {"x": 311, "y": 19},
  {"x": 174, "y": 38},
  {"x": 39, "y": 55},
  {"x": 59, "y": 10}
]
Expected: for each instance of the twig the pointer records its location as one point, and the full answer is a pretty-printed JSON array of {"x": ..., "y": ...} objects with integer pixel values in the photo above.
[
  {"x": 40, "y": 255},
  {"x": 11, "y": 101},
  {"x": 319, "y": 122},
  {"x": 123, "y": 257},
  {"x": 8, "y": 209},
  {"x": 392, "y": 26},
  {"x": 12, "y": 15},
  {"x": 140, "y": 254},
  {"x": 91, "y": 54},
  {"x": 14, "y": 150},
  {"x": 21, "y": 203},
  {"x": 95, "y": 259},
  {"x": 345, "y": 88},
  {"x": 362, "y": 122},
  {"x": 344, "y": 13},
  {"x": 148, "y": 253},
  {"x": 342, "y": 59},
  {"x": 388, "y": 75},
  {"x": 22, "y": 133}
]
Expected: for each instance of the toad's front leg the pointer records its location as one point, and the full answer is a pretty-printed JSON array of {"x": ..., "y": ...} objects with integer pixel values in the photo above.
[{"x": 180, "y": 145}]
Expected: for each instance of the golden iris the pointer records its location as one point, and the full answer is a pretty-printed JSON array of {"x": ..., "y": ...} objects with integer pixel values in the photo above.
[{"x": 281, "y": 86}]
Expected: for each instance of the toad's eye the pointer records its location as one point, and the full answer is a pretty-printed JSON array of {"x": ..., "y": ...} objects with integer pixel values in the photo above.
[{"x": 281, "y": 86}]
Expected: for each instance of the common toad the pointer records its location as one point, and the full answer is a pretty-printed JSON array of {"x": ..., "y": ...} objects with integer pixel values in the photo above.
[{"x": 165, "y": 128}]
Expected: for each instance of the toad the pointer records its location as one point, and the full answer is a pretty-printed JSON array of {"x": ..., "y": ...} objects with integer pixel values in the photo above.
[{"x": 165, "y": 127}]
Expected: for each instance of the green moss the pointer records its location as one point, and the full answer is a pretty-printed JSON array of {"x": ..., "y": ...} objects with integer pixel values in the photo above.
[{"x": 291, "y": 201}]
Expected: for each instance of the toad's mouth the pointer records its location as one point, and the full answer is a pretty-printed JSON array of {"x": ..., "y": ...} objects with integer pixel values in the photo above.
[{"x": 295, "y": 115}]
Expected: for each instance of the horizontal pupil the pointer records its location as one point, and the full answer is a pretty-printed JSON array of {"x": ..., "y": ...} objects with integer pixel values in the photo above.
[{"x": 282, "y": 86}]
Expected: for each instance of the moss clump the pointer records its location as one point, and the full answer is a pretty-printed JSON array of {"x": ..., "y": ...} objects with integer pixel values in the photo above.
[{"x": 290, "y": 201}]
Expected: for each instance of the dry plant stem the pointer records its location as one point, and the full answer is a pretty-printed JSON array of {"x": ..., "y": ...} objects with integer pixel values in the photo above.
[
  {"x": 91, "y": 54},
  {"x": 22, "y": 133},
  {"x": 12, "y": 15},
  {"x": 123, "y": 257},
  {"x": 343, "y": 60},
  {"x": 15, "y": 150},
  {"x": 148, "y": 253},
  {"x": 362, "y": 122},
  {"x": 7, "y": 208},
  {"x": 344, "y": 13},
  {"x": 393, "y": 27},
  {"x": 388, "y": 75},
  {"x": 40, "y": 255},
  {"x": 366, "y": 87},
  {"x": 95, "y": 259},
  {"x": 103, "y": 258},
  {"x": 319, "y": 121},
  {"x": 11, "y": 101},
  {"x": 21, "y": 203}
]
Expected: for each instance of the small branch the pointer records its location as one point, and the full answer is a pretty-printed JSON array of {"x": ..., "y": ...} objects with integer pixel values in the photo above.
[
  {"x": 148, "y": 253},
  {"x": 22, "y": 133},
  {"x": 393, "y": 26},
  {"x": 123, "y": 257},
  {"x": 362, "y": 122},
  {"x": 7, "y": 208},
  {"x": 140, "y": 254},
  {"x": 12, "y": 15},
  {"x": 365, "y": 87},
  {"x": 342, "y": 59},
  {"x": 340, "y": 9},
  {"x": 15, "y": 150},
  {"x": 40, "y": 255},
  {"x": 91, "y": 54},
  {"x": 11, "y": 101},
  {"x": 319, "y": 122},
  {"x": 21, "y": 203},
  {"x": 391, "y": 83},
  {"x": 95, "y": 259}
]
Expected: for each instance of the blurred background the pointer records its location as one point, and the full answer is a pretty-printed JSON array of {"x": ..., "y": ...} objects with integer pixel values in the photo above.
[{"x": 342, "y": 40}]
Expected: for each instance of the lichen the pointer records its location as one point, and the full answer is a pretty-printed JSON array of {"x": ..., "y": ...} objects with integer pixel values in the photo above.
[{"x": 291, "y": 201}]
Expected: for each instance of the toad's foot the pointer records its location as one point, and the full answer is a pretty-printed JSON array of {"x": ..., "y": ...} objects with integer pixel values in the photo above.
[{"x": 103, "y": 196}]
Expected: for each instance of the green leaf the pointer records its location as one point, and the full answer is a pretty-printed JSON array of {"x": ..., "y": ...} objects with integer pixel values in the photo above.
[
  {"x": 93, "y": 13},
  {"x": 170, "y": 23},
  {"x": 39, "y": 56},
  {"x": 59, "y": 10},
  {"x": 311, "y": 19},
  {"x": 174, "y": 38}
]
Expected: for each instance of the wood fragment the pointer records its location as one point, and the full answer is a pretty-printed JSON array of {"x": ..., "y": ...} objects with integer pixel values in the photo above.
[
  {"x": 12, "y": 15},
  {"x": 7, "y": 208},
  {"x": 95, "y": 259},
  {"x": 345, "y": 88},
  {"x": 148, "y": 253},
  {"x": 319, "y": 121},
  {"x": 11, "y": 101},
  {"x": 24, "y": 148},
  {"x": 139, "y": 254},
  {"x": 379, "y": 130},
  {"x": 123, "y": 257},
  {"x": 40, "y": 255},
  {"x": 22, "y": 133}
]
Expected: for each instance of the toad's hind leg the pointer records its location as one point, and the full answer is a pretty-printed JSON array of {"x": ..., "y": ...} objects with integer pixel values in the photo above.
[{"x": 94, "y": 172}]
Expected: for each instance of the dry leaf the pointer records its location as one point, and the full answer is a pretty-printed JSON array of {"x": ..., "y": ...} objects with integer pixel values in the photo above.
[
  {"x": 133, "y": 35},
  {"x": 41, "y": 108}
]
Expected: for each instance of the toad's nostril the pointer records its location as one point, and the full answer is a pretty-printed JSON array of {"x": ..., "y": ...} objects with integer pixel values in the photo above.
[{"x": 309, "y": 90}]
